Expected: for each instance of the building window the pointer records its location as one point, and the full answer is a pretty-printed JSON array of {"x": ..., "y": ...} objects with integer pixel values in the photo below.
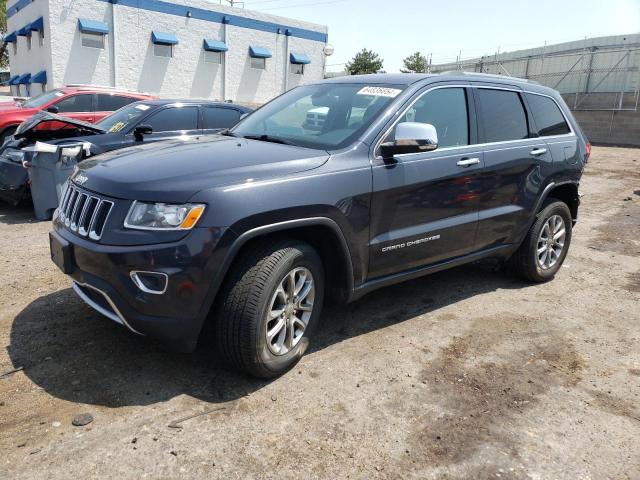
[
  {"x": 92, "y": 40},
  {"x": 161, "y": 50},
  {"x": 15, "y": 47},
  {"x": 212, "y": 57},
  {"x": 41, "y": 38},
  {"x": 28, "y": 42},
  {"x": 297, "y": 68},
  {"x": 258, "y": 63}
]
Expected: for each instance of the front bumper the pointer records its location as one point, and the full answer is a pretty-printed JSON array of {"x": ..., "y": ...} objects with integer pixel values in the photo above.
[{"x": 101, "y": 276}]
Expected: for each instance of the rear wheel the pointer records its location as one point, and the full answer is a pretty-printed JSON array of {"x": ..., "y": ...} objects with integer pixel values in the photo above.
[
  {"x": 545, "y": 247},
  {"x": 269, "y": 307}
]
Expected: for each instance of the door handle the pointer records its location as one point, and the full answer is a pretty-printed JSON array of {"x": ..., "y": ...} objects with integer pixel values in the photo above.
[
  {"x": 538, "y": 151},
  {"x": 467, "y": 162}
]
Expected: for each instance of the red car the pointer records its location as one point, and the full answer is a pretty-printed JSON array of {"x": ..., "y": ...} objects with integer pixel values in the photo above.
[{"x": 86, "y": 103}]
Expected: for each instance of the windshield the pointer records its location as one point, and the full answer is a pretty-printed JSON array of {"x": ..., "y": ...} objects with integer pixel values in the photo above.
[
  {"x": 124, "y": 117},
  {"x": 42, "y": 99},
  {"x": 327, "y": 116}
]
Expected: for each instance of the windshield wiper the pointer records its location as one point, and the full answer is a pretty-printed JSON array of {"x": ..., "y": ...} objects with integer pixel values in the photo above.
[
  {"x": 228, "y": 133},
  {"x": 269, "y": 138}
]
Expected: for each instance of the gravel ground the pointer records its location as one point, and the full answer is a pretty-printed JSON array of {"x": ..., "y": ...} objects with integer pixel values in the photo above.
[{"x": 463, "y": 374}]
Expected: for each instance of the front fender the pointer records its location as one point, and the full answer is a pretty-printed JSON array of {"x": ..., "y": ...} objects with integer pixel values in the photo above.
[{"x": 231, "y": 243}]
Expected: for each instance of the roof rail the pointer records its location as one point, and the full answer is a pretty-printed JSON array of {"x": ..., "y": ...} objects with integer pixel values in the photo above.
[
  {"x": 102, "y": 87},
  {"x": 487, "y": 75}
]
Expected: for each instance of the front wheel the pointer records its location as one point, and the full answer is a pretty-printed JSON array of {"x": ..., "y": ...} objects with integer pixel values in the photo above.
[
  {"x": 269, "y": 306},
  {"x": 545, "y": 247}
]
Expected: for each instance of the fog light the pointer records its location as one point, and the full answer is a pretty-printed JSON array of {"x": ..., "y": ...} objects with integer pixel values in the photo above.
[{"x": 150, "y": 282}]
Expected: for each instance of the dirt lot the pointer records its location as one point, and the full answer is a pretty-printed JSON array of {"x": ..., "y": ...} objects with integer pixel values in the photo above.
[{"x": 463, "y": 374}]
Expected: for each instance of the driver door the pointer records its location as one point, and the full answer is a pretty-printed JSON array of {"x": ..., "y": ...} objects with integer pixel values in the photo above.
[
  {"x": 425, "y": 205},
  {"x": 171, "y": 122},
  {"x": 78, "y": 106}
]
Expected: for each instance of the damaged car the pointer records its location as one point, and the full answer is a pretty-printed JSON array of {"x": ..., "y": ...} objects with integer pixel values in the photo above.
[{"x": 145, "y": 121}]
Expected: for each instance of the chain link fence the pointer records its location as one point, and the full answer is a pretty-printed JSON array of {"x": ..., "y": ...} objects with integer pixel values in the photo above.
[{"x": 592, "y": 78}]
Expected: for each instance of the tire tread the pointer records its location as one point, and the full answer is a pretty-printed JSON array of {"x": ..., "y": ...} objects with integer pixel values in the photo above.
[
  {"x": 240, "y": 300},
  {"x": 522, "y": 263}
]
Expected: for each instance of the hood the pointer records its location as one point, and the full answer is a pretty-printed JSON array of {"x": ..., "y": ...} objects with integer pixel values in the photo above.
[
  {"x": 175, "y": 170},
  {"x": 12, "y": 106},
  {"x": 27, "y": 127}
]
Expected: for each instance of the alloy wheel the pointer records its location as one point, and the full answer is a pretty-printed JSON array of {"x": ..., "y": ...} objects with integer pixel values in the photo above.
[
  {"x": 551, "y": 242},
  {"x": 290, "y": 310}
]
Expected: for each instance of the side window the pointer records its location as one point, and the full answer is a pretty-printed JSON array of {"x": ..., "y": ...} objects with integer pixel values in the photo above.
[
  {"x": 446, "y": 110},
  {"x": 111, "y": 103},
  {"x": 76, "y": 103},
  {"x": 502, "y": 115},
  {"x": 174, "y": 119},
  {"x": 547, "y": 116},
  {"x": 220, "y": 117}
]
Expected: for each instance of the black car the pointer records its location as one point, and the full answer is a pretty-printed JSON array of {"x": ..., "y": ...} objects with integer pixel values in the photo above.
[
  {"x": 406, "y": 175},
  {"x": 147, "y": 120}
]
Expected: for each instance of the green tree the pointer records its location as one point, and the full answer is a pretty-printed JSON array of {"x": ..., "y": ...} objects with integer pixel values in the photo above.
[
  {"x": 416, "y": 63},
  {"x": 365, "y": 61},
  {"x": 4, "y": 56}
]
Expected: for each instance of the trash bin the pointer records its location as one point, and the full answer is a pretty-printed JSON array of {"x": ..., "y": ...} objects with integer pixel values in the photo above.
[{"x": 51, "y": 166}]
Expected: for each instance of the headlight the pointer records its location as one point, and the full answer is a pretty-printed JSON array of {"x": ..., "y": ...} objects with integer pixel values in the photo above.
[{"x": 163, "y": 216}]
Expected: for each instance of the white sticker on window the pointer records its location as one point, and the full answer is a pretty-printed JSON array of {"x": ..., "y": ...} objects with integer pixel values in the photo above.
[
  {"x": 379, "y": 91},
  {"x": 142, "y": 107},
  {"x": 59, "y": 94}
]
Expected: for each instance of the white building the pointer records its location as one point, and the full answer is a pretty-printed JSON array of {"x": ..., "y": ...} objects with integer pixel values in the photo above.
[{"x": 183, "y": 48}]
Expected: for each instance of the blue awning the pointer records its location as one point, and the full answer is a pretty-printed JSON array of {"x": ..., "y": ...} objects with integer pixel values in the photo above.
[
  {"x": 214, "y": 46},
  {"x": 24, "y": 79},
  {"x": 37, "y": 25},
  {"x": 40, "y": 77},
  {"x": 299, "y": 58},
  {"x": 259, "y": 52},
  {"x": 24, "y": 31},
  {"x": 163, "y": 38},
  {"x": 10, "y": 37},
  {"x": 12, "y": 80},
  {"x": 92, "y": 26}
]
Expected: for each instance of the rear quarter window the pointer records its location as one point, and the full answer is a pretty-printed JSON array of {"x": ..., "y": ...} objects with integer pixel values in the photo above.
[{"x": 547, "y": 116}]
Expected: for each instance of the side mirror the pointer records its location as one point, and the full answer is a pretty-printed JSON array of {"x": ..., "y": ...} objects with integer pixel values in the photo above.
[
  {"x": 141, "y": 130},
  {"x": 53, "y": 109},
  {"x": 411, "y": 137},
  {"x": 244, "y": 115}
]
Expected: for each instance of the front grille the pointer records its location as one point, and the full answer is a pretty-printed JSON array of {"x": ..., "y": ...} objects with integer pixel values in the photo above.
[{"x": 83, "y": 213}]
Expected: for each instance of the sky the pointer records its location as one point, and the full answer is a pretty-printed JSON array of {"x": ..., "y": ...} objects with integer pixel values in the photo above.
[{"x": 396, "y": 28}]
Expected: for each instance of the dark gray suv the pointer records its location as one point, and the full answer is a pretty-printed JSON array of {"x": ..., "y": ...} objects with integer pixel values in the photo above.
[{"x": 401, "y": 176}]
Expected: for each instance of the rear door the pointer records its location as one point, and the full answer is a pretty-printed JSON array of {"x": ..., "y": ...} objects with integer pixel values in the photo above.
[
  {"x": 552, "y": 127},
  {"x": 171, "y": 122},
  {"x": 107, "y": 103},
  {"x": 217, "y": 118},
  {"x": 515, "y": 164},
  {"x": 79, "y": 106},
  {"x": 425, "y": 205}
]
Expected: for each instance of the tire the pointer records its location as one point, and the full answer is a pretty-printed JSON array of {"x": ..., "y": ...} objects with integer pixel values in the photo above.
[
  {"x": 6, "y": 133},
  {"x": 251, "y": 293},
  {"x": 529, "y": 261}
]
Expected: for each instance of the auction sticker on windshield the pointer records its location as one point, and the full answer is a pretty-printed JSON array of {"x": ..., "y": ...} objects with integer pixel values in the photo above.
[{"x": 379, "y": 91}]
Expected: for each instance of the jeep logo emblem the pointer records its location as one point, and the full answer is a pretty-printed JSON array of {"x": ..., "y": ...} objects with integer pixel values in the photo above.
[{"x": 80, "y": 179}]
